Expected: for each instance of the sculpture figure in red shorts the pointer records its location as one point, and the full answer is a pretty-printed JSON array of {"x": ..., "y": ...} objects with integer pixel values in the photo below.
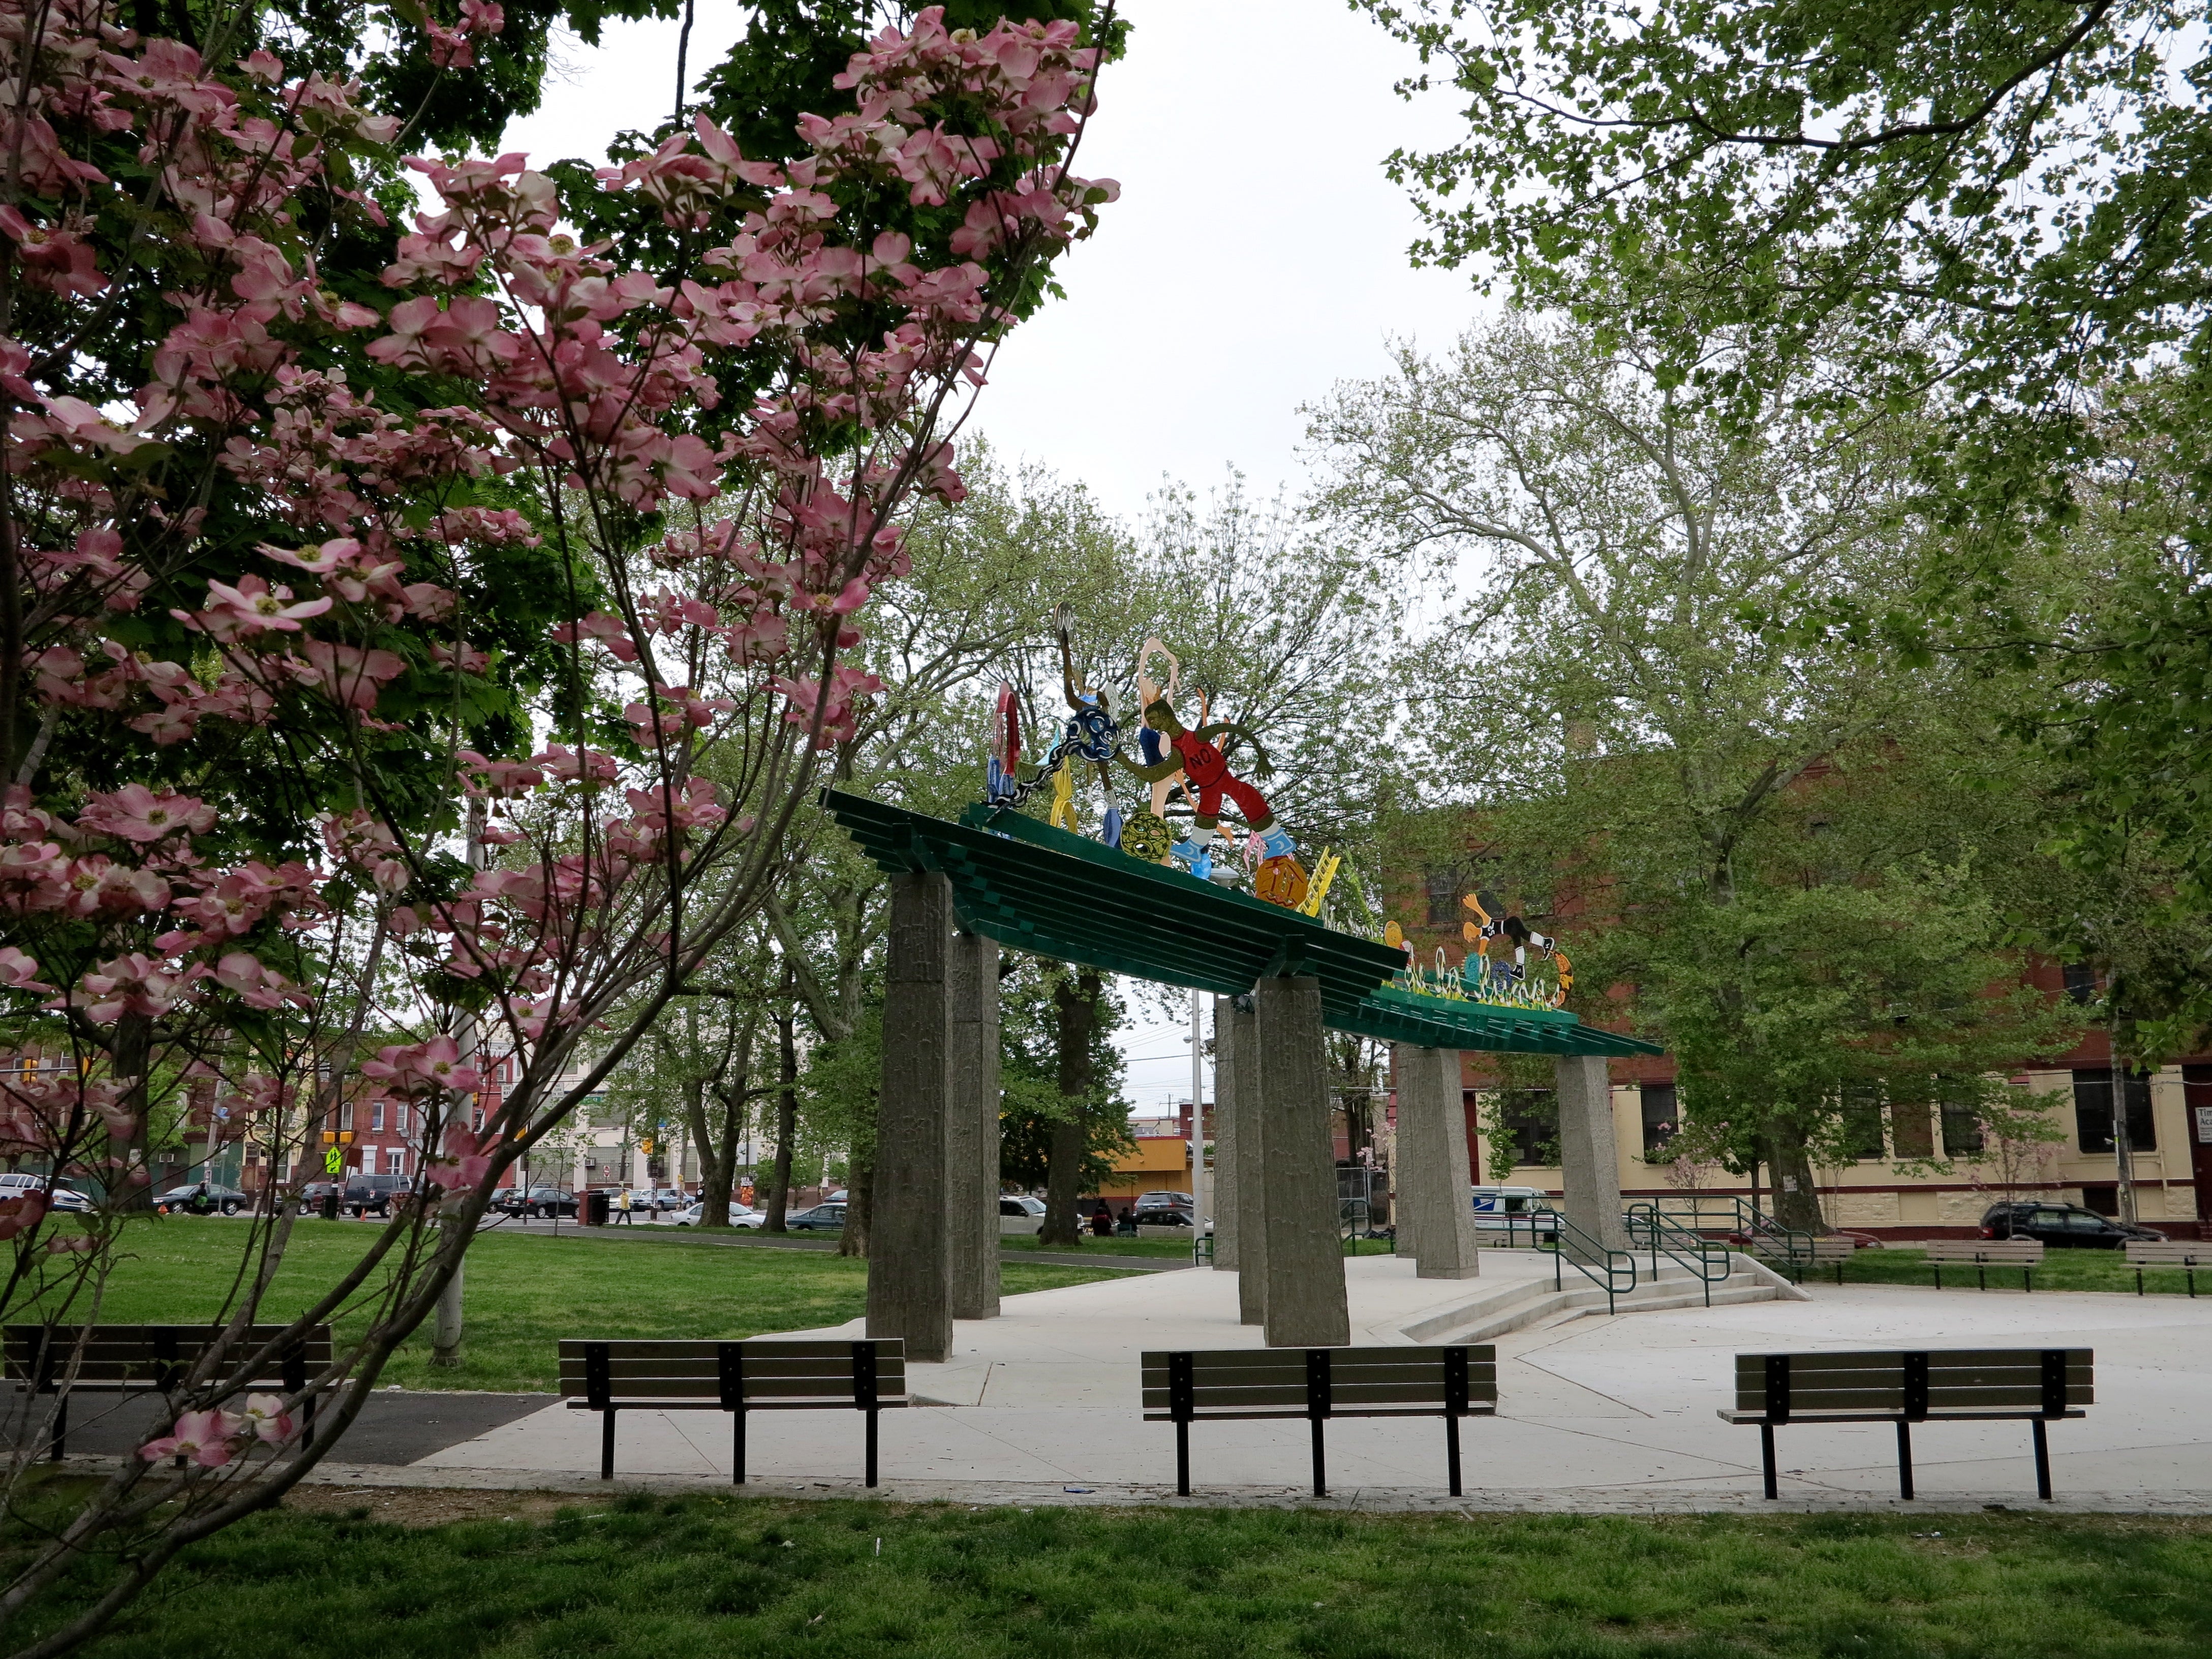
[{"x": 1206, "y": 779}]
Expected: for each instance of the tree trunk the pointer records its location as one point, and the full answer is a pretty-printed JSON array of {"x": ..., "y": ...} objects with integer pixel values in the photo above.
[
  {"x": 1796, "y": 1201},
  {"x": 859, "y": 1203},
  {"x": 787, "y": 1116},
  {"x": 1075, "y": 1006},
  {"x": 132, "y": 1059}
]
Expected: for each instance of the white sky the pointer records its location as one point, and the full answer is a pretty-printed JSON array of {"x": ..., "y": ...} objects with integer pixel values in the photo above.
[{"x": 1256, "y": 257}]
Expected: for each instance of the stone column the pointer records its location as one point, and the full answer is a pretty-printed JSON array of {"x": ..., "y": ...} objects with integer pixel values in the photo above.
[
  {"x": 1306, "y": 1306},
  {"x": 1587, "y": 1150},
  {"x": 971, "y": 1128},
  {"x": 1433, "y": 1183},
  {"x": 909, "y": 1253},
  {"x": 1405, "y": 1222},
  {"x": 1243, "y": 1050},
  {"x": 1226, "y": 1234}
]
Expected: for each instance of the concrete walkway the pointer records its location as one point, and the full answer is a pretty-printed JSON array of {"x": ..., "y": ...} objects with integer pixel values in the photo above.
[{"x": 1596, "y": 1412}]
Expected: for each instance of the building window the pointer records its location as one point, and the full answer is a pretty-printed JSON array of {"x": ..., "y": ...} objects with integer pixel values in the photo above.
[
  {"x": 2081, "y": 982},
  {"x": 2093, "y": 1111},
  {"x": 1442, "y": 884},
  {"x": 1531, "y": 1116},
  {"x": 346, "y": 1115},
  {"x": 376, "y": 1116},
  {"x": 1912, "y": 1129},
  {"x": 395, "y": 1160},
  {"x": 1661, "y": 1116},
  {"x": 476, "y": 1120},
  {"x": 1963, "y": 1130},
  {"x": 1862, "y": 1121},
  {"x": 399, "y": 1117}
]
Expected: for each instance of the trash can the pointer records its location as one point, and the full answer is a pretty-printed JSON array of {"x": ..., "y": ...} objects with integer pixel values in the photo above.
[
  {"x": 331, "y": 1204},
  {"x": 595, "y": 1209}
]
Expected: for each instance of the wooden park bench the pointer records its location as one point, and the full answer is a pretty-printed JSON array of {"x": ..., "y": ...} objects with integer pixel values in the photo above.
[
  {"x": 868, "y": 1376},
  {"x": 1183, "y": 1386},
  {"x": 1833, "y": 1247},
  {"x": 2167, "y": 1253},
  {"x": 1957, "y": 1385},
  {"x": 2025, "y": 1254},
  {"x": 147, "y": 1359}
]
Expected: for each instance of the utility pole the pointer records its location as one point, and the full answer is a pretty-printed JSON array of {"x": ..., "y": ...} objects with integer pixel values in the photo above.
[{"x": 1197, "y": 1133}]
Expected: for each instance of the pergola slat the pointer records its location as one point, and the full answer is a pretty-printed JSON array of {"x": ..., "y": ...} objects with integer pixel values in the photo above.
[{"x": 1035, "y": 888}]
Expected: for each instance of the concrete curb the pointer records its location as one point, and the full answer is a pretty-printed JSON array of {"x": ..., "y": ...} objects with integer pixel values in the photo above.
[{"x": 1807, "y": 1498}]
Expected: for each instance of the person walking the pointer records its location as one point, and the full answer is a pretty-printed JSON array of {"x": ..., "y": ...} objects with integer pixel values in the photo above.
[{"x": 623, "y": 1204}]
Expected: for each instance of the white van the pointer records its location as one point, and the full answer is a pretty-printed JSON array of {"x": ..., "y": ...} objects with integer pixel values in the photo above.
[{"x": 1504, "y": 1209}]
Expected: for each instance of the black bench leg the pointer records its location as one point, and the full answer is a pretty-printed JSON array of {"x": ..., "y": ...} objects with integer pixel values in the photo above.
[
  {"x": 738, "y": 1447},
  {"x": 61, "y": 1431},
  {"x": 607, "y": 1443},
  {"x": 2042, "y": 1459},
  {"x": 1321, "y": 1470},
  {"x": 2139, "y": 1289},
  {"x": 1767, "y": 1456},
  {"x": 871, "y": 1448},
  {"x": 1904, "y": 1460},
  {"x": 1183, "y": 1460},
  {"x": 1451, "y": 1451}
]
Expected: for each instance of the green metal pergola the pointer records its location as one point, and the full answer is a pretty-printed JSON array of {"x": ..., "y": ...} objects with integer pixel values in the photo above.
[{"x": 1032, "y": 887}]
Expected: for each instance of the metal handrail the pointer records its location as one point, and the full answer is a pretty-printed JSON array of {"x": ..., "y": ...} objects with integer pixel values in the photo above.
[
  {"x": 1706, "y": 1263},
  {"x": 1738, "y": 1215},
  {"x": 1615, "y": 1262}
]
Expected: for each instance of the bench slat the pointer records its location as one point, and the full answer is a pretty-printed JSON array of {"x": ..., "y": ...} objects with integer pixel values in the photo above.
[
  {"x": 1341, "y": 1376},
  {"x": 1997, "y": 1252},
  {"x": 621, "y": 1365},
  {"x": 1341, "y": 1397},
  {"x": 1939, "y": 1359},
  {"x": 687, "y": 1389},
  {"x": 2169, "y": 1253},
  {"x": 887, "y": 1348}
]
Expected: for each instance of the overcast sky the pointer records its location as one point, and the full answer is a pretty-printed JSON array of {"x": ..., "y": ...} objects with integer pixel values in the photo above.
[{"x": 1256, "y": 257}]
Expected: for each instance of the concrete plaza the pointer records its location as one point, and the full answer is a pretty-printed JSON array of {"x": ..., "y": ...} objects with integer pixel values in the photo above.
[{"x": 1595, "y": 1413}]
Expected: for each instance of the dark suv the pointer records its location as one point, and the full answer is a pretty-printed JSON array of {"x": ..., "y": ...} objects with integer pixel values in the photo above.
[
  {"x": 2061, "y": 1226},
  {"x": 373, "y": 1195}
]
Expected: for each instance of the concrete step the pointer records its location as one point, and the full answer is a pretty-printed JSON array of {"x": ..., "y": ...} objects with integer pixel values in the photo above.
[{"x": 1516, "y": 1306}]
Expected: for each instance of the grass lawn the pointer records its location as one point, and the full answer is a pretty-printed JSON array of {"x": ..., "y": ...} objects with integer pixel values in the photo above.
[
  {"x": 1165, "y": 1250},
  {"x": 524, "y": 1293},
  {"x": 2062, "y": 1270},
  {"x": 692, "y": 1577}
]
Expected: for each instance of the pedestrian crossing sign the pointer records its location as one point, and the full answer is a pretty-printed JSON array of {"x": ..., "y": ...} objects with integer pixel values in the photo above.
[{"x": 334, "y": 1159}]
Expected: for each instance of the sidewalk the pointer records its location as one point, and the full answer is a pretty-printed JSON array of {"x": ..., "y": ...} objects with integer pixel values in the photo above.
[{"x": 1596, "y": 1413}]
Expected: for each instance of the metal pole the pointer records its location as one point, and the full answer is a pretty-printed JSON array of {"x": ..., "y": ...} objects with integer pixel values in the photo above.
[{"x": 1197, "y": 1134}]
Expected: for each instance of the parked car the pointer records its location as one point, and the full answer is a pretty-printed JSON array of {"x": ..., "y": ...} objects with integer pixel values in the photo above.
[
  {"x": 373, "y": 1195},
  {"x": 1164, "y": 1201},
  {"x": 1515, "y": 1209},
  {"x": 203, "y": 1198},
  {"x": 2061, "y": 1226},
  {"x": 670, "y": 1198},
  {"x": 823, "y": 1217},
  {"x": 1016, "y": 1205},
  {"x": 1161, "y": 1215},
  {"x": 64, "y": 1197},
  {"x": 545, "y": 1202},
  {"x": 741, "y": 1215}
]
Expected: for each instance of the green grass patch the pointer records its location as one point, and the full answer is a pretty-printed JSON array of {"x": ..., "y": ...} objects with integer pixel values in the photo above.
[
  {"x": 693, "y": 1576},
  {"x": 2061, "y": 1270},
  {"x": 523, "y": 1293},
  {"x": 1164, "y": 1250}
]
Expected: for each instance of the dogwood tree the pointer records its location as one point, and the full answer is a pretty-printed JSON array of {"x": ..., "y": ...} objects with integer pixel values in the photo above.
[{"x": 275, "y": 793}]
